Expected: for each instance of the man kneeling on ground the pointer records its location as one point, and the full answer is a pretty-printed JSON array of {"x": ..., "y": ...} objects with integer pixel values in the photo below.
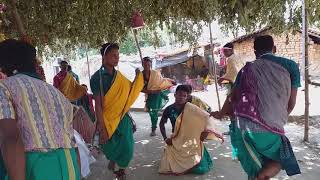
[{"x": 185, "y": 151}]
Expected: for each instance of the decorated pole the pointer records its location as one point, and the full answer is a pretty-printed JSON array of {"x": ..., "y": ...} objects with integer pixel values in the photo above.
[
  {"x": 214, "y": 67},
  {"x": 135, "y": 33},
  {"x": 137, "y": 23},
  {"x": 306, "y": 68}
]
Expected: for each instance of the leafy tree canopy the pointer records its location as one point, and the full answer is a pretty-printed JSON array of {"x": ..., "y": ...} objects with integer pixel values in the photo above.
[{"x": 91, "y": 22}]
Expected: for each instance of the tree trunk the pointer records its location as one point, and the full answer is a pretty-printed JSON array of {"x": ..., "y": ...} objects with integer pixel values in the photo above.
[
  {"x": 17, "y": 19},
  {"x": 306, "y": 68},
  {"x": 214, "y": 67}
]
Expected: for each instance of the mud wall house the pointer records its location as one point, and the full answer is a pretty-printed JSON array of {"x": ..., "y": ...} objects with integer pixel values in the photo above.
[
  {"x": 181, "y": 63},
  {"x": 288, "y": 45}
]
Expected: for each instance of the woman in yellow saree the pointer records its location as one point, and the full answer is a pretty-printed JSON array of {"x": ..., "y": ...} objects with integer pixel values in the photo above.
[
  {"x": 114, "y": 94},
  {"x": 185, "y": 151},
  {"x": 65, "y": 82},
  {"x": 157, "y": 90}
]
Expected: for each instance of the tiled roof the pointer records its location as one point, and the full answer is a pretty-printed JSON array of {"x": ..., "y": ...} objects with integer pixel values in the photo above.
[{"x": 313, "y": 34}]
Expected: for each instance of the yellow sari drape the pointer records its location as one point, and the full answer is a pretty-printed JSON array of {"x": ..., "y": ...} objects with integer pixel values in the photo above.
[
  {"x": 157, "y": 82},
  {"x": 71, "y": 88},
  {"x": 187, "y": 149},
  {"x": 198, "y": 102},
  {"x": 119, "y": 99}
]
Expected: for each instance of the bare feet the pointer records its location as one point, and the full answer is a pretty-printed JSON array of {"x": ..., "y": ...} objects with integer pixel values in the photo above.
[
  {"x": 226, "y": 133},
  {"x": 120, "y": 174},
  {"x": 153, "y": 133},
  {"x": 270, "y": 169}
]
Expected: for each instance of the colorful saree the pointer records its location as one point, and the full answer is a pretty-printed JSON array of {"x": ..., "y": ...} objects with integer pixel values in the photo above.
[
  {"x": 263, "y": 90},
  {"x": 116, "y": 104},
  {"x": 155, "y": 102},
  {"x": 188, "y": 153},
  {"x": 69, "y": 87},
  {"x": 2, "y": 76},
  {"x": 83, "y": 125},
  {"x": 60, "y": 164},
  {"x": 87, "y": 103}
]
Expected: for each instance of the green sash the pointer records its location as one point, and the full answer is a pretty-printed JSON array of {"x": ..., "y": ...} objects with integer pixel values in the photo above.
[{"x": 60, "y": 164}]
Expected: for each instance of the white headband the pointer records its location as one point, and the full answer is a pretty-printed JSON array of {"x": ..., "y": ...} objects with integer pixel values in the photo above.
[
  {"x": 226, "y": 48},
  {"x": 105, "y": 50}
]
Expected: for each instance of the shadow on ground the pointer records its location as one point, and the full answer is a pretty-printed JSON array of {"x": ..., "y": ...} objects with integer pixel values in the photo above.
[{"x": 148, "y": 151}]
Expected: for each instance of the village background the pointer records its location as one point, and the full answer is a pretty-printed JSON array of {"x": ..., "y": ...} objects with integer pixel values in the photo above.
[{"x": 178, "y": 60}]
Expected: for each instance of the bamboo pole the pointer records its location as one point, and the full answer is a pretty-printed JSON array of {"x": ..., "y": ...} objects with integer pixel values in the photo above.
[
  {"x": 135, "y": 32},
  {"x": 88, "y": 63},
  {"x": 214, "y": 67},
  {"x": 306, "y": 68}
]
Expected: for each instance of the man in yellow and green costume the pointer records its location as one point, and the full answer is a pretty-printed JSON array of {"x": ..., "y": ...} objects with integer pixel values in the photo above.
[
  {"x": 114, "y": 94},
  {"x": 156, "y": 90}
]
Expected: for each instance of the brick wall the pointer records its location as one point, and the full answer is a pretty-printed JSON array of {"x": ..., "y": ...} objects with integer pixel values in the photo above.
[{"x": 287, "y": 46}]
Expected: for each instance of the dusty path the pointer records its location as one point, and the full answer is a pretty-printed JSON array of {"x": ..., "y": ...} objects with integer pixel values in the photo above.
[{"x": 148, "y": 152}]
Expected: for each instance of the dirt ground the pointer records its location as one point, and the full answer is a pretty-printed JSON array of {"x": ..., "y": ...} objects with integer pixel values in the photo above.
[{"x": 148, "y": 151}]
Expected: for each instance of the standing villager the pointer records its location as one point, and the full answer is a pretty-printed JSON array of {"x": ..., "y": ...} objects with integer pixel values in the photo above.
[
  {"x": 157, "y": 90},
  {"x": 234, "y": 64},
  {"x": 262, "y": 98},
  {"x": 36, "y": 134},
  {"x": 66, "y": 83},
  {"x": 114, "y": 94}
]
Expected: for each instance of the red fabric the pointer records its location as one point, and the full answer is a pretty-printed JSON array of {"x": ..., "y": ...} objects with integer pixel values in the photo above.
[
  {"x": 91, "y": 102},
  {"x": 2, "y": 76},
  {"x": 57, "y": 80},
  {"x": 223, "y": 61},
  {"x": 84, "y": 126}
]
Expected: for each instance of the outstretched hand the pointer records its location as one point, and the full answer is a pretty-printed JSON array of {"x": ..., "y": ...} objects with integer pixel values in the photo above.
[
  {"x": 220, "y": 81},
  {"x": 173, "y": 82},
  {"x": 216, "y": 115},
  {"x": 168, "y": 141},
  {"x": 104, "y": 137},
  {"x": 203, "y": 136},
  {"x": 137, "y": 71}
]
